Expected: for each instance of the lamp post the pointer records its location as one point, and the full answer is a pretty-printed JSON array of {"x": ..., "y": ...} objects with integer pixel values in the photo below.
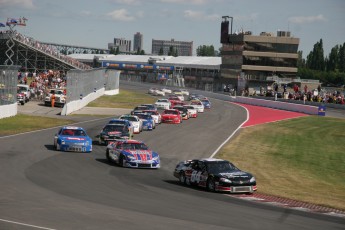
[{"x": 11, "y": 23}]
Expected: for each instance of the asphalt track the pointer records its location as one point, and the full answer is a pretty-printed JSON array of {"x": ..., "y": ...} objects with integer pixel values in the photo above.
[{"x": 45, "y": 189}]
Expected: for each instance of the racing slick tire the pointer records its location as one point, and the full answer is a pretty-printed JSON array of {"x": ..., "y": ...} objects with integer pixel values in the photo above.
[
  {"x": 211, "y": 185},
  {"x": 57, "y": 147},
  {"x": 122, "y": 161},
  {"x": 108, "y": 157},
  {"x": 182, "y": 178}
]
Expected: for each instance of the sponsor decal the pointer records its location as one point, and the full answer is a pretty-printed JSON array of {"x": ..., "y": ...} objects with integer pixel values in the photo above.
[{"x": 75, "y": 138}]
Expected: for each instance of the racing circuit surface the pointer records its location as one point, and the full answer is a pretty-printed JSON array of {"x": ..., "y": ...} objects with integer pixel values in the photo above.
[{"x": 45, "y": 189}]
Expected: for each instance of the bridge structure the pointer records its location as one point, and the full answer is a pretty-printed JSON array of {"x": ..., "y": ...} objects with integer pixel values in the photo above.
[{"x": 36, "y": 56}]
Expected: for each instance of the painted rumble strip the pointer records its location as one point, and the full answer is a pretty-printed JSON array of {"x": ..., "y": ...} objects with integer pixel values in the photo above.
[{"x": 28, "y": 225}]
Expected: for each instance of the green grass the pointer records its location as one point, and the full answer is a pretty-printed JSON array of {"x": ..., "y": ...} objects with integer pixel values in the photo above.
[
  {"x": 302, "y": 159},
  {"x": 24, "y": 123},
  {"x": 125, "y": 99}
]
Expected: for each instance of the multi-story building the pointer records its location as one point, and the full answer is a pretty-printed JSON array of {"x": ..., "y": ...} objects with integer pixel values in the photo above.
[
  {"x": 250, "y": 60},
  {"x": 182, "y": 48},
  {"x": 138, "y": 42},
  {"x": 123, "y": 44}
]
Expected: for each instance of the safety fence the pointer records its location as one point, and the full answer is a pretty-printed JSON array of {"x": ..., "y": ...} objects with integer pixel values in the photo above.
[{"x": 8, "y": 90}]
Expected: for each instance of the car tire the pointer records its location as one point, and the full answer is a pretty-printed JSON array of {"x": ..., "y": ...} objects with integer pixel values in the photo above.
[
  {"x": 182, "y": 178},
  {"x": 122, "y": 161},
  {"x": 211, "y": 185},
  {"x": 58, "y": 148},
  {"x": 108, "y": 157}
]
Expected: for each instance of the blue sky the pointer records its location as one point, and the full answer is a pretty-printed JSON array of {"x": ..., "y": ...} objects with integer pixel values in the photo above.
[{"x": 94, "y": 23}]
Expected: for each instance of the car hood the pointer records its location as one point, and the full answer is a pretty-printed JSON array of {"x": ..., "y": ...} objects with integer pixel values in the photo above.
[
  {"x": 235, "y": 175},
  {"x": 74, "y": 138},
  {"x": 113, "y": 133},
  {"x": 141, "y": 154},
  {"x": 169, "y": 115}
]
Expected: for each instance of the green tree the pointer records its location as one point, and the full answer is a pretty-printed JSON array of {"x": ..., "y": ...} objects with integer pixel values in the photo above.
[
  {"x": 316, "y": 59},
  {"x": 171, "y": 51},
  {"x": 142, "y": 52},
  {"x": 117, "y": 51},
  {"x": 341, "y": 58},
  {"x": 332, "y": 60},
  {"x": 205, "y": 50},
  {"x": 300, "y": 60}
]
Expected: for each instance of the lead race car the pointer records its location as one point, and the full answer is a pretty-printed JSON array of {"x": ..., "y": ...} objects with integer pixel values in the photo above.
[
  {"x": 215, "y": 175},
  {"x": 72, "y": 138},
  {"x": 132, "y": 154}
]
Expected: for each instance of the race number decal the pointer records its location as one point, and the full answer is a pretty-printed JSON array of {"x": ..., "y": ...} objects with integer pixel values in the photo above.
[{"x": 195, "y": 176}]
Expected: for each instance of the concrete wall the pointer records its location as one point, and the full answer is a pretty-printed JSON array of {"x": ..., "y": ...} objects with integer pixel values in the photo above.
[{"x": 8, "y": 110}]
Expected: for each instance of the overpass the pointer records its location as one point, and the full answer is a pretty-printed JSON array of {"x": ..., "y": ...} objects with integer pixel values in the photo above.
[{"x": 33, "y": 55}]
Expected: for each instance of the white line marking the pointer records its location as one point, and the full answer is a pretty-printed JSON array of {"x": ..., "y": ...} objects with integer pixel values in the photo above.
[
  {"x": 18, "y": 134},
  {"x": 29, "y": 225},
  {"x": 216, "y": 151}
]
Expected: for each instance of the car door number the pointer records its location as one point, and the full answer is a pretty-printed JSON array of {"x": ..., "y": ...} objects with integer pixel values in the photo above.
[{"x": 195, "y": 176}]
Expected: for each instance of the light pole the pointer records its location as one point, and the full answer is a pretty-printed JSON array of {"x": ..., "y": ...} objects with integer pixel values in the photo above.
[{"x": 11, "y": 23}]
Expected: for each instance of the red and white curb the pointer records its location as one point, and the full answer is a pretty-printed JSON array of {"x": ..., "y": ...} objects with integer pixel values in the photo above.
[{"x": 289, "y": 203}]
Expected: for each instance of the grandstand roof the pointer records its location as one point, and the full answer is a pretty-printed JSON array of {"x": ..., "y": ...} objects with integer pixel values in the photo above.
[{"x": 180, "y": 61}]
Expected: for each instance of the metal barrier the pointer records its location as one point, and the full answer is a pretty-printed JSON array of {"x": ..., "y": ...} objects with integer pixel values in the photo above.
[
  {"x": 81, "y": 83},
  {"x": 8, "y": 90}
]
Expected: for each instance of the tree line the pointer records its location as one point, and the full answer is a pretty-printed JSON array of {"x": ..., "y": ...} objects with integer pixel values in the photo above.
[{"x": 330, "y": 69}]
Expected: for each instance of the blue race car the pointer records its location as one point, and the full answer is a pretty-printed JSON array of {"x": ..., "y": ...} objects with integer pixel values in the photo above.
[
  {"x": 206, "y": 103},
  {"x": 74, "y": 139},
  {"x": 132, "y": 154},
  {"x": 148, "y": 121}
]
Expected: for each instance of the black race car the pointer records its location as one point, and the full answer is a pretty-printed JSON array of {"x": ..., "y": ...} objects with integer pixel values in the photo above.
[
  {"x": 112, "y": 132},
  {"x": 215, "y": 175}
]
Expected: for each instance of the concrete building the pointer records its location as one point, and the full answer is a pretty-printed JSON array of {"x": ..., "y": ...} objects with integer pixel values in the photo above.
[
  {"x": 183, "y": 48},
  {"x": 123, "y": 44},
  {"x": 252, "y": 60},
  {"x": 138, "y": 42}
]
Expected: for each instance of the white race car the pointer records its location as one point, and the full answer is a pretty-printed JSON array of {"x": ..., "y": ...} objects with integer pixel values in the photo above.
[
  {"x": 152, "y": 90},
  {"x": 197, "y": 105},
  {"x": 163, "y": 104},
  {"x": 136, "y": 122},
  {"x": 192, "y": 111},
  {"x": 158, "y": 92},
  {"x": 166, "y": 90},
  {"x": 185, "y": 92}
]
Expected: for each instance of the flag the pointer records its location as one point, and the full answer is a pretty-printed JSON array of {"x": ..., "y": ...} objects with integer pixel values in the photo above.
[{"x": 2, "y": 25}]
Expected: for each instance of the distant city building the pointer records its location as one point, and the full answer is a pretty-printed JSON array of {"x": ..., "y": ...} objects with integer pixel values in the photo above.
[
  {"x": 138, "y": 42},
  {"x": 183, "y": 48},
  {"x": 123, "y": 44}
]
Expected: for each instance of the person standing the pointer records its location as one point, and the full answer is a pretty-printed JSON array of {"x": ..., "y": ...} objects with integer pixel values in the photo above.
[{"x": 53, "y": 99}]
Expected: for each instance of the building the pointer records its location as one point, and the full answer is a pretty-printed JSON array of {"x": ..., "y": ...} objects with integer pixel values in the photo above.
[
  {"x": 138, "y": 42},
  {"x": 121, "y": 43},
  {"x": 182, "y": 48},
  {"x": 251, "y": 60}
]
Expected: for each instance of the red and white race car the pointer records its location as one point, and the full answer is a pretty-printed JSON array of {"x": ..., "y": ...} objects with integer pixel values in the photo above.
[{"x": 171, "y": 116}]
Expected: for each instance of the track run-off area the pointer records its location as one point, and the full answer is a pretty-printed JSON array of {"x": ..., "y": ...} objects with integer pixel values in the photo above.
[{"x": 45, "y": 189}]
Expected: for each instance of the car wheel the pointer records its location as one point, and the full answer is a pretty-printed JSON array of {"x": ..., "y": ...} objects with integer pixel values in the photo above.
[
  {"x": 58, "y": 148},
  {"x": 108, "y": 156},
  {"x": 211, "y": 185},
  {"x": 182, "y": 178},
  {"x": 122, "y": 161}
]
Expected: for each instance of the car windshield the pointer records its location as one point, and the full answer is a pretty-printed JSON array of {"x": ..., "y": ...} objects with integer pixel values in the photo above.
[
  {"x": 135, "y": 146},
  {"x": 111, "y": 128},
  {"x": 73, "y": 132},
  {"x": 117, "y": 122},
  {"x": 129, "y": 118},
  {"x": 171, "y": 112},
  {"x": 220, "y": 167},
  {"x": 144, "y": 116}
]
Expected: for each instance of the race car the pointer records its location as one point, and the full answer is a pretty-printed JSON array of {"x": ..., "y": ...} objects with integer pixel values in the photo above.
[
  {"x": 183, "y": 111},
  {"x": 123, "y": 122},
  {"x": 148, "y": 123},
  {"x": 158, "y": 92},
  {"x": 72, "y": 138},
  {"x": 197, "y": 104},
  {"x": 215, "y": 175},
  {"x": 155, "y": 115},
  {"x": 192, "y": 111},
  {"x": 166, "y": 90},
  {"x": 132, "y": 154},
  {"x": 171, "y": 116},
  {"x": 163, "y": 104},
  {"x": 111, "y": 132},
  {"x": 206, "y": 103},
  {"x": 136, "y": 122}
]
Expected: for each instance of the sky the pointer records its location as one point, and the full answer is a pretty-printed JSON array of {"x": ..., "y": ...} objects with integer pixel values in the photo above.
[{"x": 95, "y": 23}]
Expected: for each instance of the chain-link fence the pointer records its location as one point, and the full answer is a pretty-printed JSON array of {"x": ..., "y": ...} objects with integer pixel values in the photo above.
[
  {"x": 8, "y": 84},
  {"x": 80, "y": 83}
]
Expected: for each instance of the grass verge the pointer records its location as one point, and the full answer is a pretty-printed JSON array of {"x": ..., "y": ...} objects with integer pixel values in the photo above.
[
  {"x": 301, "y": 159},
  {"x": 24, "y": 123},
  {"x": 125, "y": 99}
]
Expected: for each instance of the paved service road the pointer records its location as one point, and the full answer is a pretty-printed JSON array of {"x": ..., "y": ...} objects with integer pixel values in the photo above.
[{"x": 45, "y": 189}]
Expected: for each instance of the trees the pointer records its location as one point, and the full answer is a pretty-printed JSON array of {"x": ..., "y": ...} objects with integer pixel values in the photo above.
[
  {"x": 205, "y": 50},
  {"x": 161, "y": 52}
]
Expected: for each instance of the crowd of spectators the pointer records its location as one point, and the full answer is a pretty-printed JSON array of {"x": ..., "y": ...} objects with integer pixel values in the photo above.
[
  {"x": 48, "y": 49},
  {"x": 41, "y": 83}
]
